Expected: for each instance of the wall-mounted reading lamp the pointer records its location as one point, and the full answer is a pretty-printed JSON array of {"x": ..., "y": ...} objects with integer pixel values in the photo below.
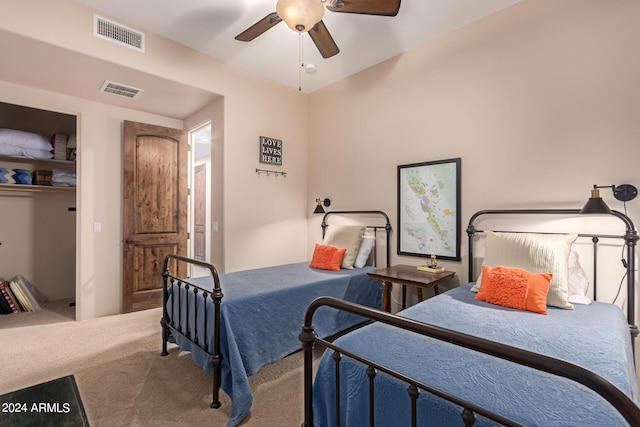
[
  {"x": 319, "y": 209},
  {"x": 595, "y": 204}
]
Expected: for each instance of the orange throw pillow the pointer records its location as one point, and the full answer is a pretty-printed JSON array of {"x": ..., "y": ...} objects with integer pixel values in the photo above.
[
  {"x": 327, "y": 257},
  {"x": 515, "y": 288}
]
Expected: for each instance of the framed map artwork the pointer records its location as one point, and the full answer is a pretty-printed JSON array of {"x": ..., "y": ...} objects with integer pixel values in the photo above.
[{"x": 429, "y": 209}]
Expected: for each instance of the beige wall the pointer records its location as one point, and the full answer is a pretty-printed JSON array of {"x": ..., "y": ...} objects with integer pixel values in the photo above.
[
  {"x": 540, "y": 101},
  {"x": 264, "y": 218},
  {"x": 38, "y": 239}
]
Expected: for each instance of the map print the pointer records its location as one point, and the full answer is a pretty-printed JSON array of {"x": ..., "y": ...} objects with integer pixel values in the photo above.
[{"x": 427, "y": 209}]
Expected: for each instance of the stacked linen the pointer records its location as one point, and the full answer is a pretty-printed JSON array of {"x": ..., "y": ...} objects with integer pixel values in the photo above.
[
  {"x": 63, "y": 178},
  {"x": 71, "y": 148},
  {"x": 15, "y": 176},
  {"x": 59, "y": 144},
  {"x": 26, "y": 144}
]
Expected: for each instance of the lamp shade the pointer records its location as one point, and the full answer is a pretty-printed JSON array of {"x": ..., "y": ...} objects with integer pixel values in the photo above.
[
  {"x": 319, "y": 209},
  {"x": 300, "y": 15},
  {"x": 595, "y": 204}
]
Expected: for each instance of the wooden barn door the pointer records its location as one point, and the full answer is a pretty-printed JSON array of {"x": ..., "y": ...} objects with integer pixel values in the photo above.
[{"x": 155, "y": 209}]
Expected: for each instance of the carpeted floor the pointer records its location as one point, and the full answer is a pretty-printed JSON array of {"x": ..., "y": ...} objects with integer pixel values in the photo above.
[
  {"x": 53, "y": 312},
  {"x": 123, "y": 380}
]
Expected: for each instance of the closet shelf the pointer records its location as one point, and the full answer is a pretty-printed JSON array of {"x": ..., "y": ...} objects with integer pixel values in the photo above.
[
  {"x": 37, "y": 163},
  {"x": 36, "y": 188},
  {"x": 18, "y": 159}
]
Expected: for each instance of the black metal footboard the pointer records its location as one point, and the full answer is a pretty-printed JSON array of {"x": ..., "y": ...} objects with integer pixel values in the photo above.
[
  {"x": 171, "y": 326},
  {"x": 308, "y": 337}
]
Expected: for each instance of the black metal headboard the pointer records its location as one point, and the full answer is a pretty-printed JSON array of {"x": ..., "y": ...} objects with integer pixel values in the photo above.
[
  {"x": 630, "y": 238},
  {"x": 386, "y": 227}
]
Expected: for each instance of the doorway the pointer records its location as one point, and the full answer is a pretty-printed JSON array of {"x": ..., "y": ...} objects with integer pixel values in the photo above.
[{"x": 200, "y": 200}]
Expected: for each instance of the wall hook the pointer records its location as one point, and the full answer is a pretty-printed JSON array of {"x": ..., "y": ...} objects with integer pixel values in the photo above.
[{"x": 268, "y": 172}]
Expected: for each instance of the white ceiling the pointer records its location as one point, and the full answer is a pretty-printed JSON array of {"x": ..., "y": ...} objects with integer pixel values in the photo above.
[{"x": 210, "y": 26}]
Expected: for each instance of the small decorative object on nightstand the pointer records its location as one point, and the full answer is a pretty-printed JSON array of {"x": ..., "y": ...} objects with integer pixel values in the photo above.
[
  {"x": 429, "y": 269},
  {"x": 431, "y": 266}
]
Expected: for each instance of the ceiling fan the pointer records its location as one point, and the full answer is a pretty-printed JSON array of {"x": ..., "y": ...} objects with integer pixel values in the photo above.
[{"x": 306, "y": 16}]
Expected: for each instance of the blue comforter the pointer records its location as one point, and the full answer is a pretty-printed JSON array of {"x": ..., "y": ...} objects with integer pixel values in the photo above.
[
  {"x": 262, "y": 313},
  {"x": 594, "y": 336}
]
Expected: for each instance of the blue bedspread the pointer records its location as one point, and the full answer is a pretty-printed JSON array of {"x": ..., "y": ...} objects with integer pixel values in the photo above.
[
  {"x": 593, "y": 336},
  {"x": 262, "y": 313}
]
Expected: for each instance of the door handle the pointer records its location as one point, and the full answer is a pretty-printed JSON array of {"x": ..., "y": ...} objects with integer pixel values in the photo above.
[{"x": 129, "y": 241}]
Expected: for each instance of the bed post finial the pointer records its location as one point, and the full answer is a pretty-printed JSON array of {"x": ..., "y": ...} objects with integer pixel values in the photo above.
[
  {"x": 471, "y": 231},
  {"x": 468, "y": 417}
]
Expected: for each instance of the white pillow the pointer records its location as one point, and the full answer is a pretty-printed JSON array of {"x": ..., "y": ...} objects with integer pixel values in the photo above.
[
  {"x": 535, "y": 253},
  {"x": 31, "y": 153},
  {"x": 348, "y": 237},
  {"x": 24, "y": 139},
  {"x": 578, "y": 281},
  {"x": 365, "y": 250}
]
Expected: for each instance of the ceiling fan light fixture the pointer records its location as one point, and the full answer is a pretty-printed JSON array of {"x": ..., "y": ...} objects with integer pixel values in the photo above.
[{"x": 300, "y": 15}]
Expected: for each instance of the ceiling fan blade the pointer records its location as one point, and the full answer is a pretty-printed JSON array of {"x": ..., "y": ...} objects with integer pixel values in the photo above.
[
  {"x": 365, "y": 7},
  {"x": 323, "y": 40},
  {"x": 259, "y": 27}
]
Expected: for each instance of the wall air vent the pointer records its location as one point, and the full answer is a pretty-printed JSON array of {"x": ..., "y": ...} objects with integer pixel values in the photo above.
[
  {"x": 120, "y": 89},
  {"x": 117, "y": 33}
]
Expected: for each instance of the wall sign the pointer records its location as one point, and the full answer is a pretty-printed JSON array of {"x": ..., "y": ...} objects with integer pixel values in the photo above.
[{"x": 270, "y": 150}]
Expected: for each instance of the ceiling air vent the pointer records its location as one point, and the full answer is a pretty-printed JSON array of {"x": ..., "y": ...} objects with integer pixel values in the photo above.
[
  {"x": 120, "y": 89},
  {"x": 107, "y": 29}
]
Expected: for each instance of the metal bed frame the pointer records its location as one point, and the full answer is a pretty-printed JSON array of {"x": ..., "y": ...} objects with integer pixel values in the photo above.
[
  {"x": 171, "y": 326},
  {"x": 627, "y": 408}
]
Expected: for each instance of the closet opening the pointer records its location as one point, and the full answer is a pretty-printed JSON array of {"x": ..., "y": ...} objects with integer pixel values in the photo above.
[{"x": 38, "y": 215}]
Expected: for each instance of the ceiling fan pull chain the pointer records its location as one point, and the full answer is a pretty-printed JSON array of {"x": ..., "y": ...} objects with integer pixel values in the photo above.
[{"x": 300, "y": 62}]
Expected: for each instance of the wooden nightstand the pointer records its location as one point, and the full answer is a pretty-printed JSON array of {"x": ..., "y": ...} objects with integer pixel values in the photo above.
[{"x": 407, "y": 275}]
